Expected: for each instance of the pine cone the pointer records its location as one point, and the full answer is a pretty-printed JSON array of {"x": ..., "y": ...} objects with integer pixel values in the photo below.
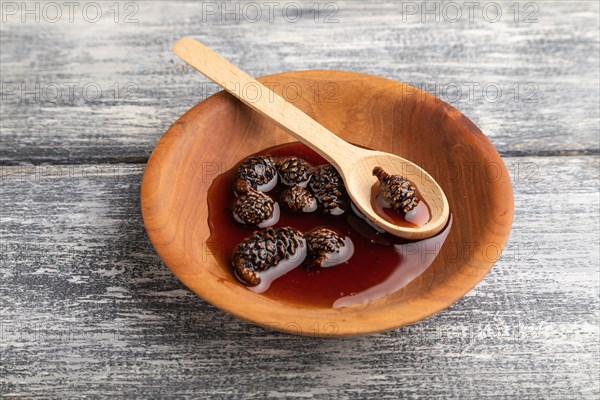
[
  {"x": 397, "y": 191},
  {"x": 294, "y": 171},
  {"x": 254, "y": 208},
  {"x": 328, "y": 187},
  {"x": 299, "y": 199},
  {"x": 289, "y": 240},
  {"x": 260, "y": 172},
  {"x": 327, "y": 248},
  {"x": 264, "y": 250}
]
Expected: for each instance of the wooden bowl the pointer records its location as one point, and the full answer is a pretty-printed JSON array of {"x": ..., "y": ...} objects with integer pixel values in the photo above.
[{"x": 366, "y": 110}]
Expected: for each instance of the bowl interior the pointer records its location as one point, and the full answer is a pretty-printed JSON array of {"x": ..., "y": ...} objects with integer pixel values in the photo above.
[{"x": 369, "y": 111}]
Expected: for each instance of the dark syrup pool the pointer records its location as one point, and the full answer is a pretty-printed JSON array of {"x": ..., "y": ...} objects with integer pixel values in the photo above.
[{"x": 381, "y": 264}]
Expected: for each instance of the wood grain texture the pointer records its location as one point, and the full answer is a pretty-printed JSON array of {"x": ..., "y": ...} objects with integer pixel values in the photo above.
[
  {"x": 87, "y": 308},
  {"x": 553, "y": 62}
]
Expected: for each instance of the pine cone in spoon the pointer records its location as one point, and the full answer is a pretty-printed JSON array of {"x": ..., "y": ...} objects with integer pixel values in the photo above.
[
  {"x": 260, "y": 172},
  {"x": 397, "y": 191},
  {"x": 252, "y": 207}
]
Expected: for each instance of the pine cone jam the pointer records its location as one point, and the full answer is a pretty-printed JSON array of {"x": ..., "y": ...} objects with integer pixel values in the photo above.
[
  {"x": 260, "y": 172},
  {"x": 328, "y": 187},
  {"x": 294, "y": 171},
  {"x": 299, "y": 199},
  {"x": 396, "y": 190},
  {"x": 316, "y": 259},
  {"x": 395, "y": 199},
  {"x": 327, "y": 248},
  {"x": 252, "y": 207},
  {"x": 268, "y": 254}
]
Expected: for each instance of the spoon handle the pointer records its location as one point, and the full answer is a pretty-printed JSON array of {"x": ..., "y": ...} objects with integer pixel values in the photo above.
[{"x": 262, "y": 99}]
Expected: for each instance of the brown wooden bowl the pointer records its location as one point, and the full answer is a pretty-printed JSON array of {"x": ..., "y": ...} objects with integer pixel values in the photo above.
[{"x": 366, "y": 110}]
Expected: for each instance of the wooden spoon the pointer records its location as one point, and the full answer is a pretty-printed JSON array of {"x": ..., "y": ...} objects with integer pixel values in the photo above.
[{"x": 354, "y": 164}]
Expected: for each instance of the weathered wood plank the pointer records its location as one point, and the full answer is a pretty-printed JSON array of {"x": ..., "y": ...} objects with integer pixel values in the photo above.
[
  {"x": 87, "y": 308},
  {"x": 547, "y": 70}
]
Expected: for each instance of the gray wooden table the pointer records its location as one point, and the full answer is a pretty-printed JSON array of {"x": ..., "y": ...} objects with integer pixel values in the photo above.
[{"x": 88, "y": 309}]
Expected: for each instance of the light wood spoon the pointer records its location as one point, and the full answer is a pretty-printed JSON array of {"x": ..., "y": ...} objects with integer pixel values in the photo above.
[{"x": 354, "y": 164}]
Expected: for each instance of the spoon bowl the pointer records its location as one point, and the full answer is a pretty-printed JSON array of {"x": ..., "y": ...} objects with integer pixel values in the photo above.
[
  {"x": 355, "y": 165},
  {"x": 359, "y": 179}
]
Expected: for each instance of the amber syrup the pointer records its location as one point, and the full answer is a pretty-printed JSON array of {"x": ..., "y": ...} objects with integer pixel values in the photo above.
[{"x": 381, "y": 263}]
